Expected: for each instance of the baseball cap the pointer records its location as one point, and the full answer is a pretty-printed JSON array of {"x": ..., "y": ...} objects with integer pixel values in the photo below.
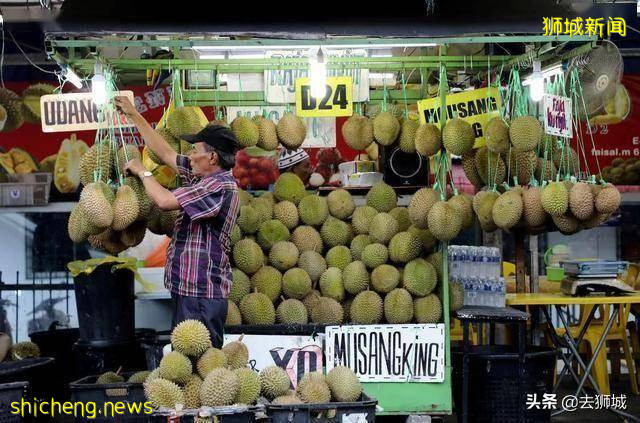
[{"x": 217, "y": 136}]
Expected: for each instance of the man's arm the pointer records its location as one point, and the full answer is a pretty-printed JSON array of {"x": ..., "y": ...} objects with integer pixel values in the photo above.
[
  {"x": 152, "y": 139},
  {"x": 162, "y": 197}
]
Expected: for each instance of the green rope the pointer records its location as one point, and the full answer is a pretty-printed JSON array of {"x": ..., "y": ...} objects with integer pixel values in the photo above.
[{"x": 404, "y": 95}]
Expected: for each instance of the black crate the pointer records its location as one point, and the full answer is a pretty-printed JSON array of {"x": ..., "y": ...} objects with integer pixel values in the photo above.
[
  {"x": 38, "y": 372},
  {"x": 322, "y": 413},
  {"x": 11, "y": 392},
  {"x": 493, "y": 395},
  {"x": 231, "y": 414},
  {"x": 87, "y": 390}
]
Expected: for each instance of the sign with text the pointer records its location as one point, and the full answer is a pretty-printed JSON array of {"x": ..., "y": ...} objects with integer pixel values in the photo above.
[
  {"x": 474, "y": 106},
  {"x": 297, "y": 355},
  {"x": 557, "y": 116},
  {"x": 321, "y": 132},
  {"x": 77, "y": 112},
  {"x": 336, "y": 100},
  {"x": 279, "y": 84},
  {"x": 389, "y": 353}
]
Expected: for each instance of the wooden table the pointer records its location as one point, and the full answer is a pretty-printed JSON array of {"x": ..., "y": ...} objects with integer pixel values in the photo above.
[{"x": 559, "y": 300}]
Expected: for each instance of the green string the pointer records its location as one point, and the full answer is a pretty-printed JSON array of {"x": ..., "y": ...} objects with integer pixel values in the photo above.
[{"x": 404, "y": 95}]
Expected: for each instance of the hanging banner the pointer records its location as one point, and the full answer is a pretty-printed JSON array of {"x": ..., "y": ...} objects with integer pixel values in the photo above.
[
  {"x": 279, "y": 84},
  {"x": 557, "y": 116},
  {"x": 297, "y": 355},
  {"x": 321, "y": 132},
  {"x": 77, "y": 112},
  {"x": 336, "y": 101},
  {"x": 475, "y": 106},
  {"x": 388, "y": 353}
]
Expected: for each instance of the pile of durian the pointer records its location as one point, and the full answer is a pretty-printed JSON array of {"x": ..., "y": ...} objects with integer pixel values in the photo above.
[
  {"x": 300, "y": 258},
  {"x": 289, "y": 132},
  {"x": 195, "y": 375}
]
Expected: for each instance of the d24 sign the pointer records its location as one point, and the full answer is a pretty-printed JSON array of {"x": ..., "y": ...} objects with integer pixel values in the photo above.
[{"x": 336, "y": 101}]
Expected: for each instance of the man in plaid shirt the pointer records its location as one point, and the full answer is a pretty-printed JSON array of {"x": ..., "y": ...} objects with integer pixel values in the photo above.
[{"x": 198, "y": 269}]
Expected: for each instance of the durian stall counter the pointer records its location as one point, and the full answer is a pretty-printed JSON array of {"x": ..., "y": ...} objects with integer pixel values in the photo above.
[{"x": 317, "y": 275}]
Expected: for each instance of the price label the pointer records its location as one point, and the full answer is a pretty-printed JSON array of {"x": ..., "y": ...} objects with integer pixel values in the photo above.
[{"x": 336, "y": 101}]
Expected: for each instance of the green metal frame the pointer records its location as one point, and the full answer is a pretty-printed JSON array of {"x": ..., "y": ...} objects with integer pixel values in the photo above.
[
  {"x": 63, "y": 48},
  {"x": 71, "y": 40}
]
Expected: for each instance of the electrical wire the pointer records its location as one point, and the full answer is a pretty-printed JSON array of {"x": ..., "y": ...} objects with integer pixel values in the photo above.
[{"x": 24, "y": 54}]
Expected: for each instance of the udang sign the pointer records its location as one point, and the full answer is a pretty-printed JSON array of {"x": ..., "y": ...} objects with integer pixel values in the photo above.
[
  {"x": 77, "y": 112},
  {"x": 475, "y": 106}
]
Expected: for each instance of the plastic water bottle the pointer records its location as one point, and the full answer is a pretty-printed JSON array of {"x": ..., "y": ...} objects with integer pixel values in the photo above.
[
  {"x": 497, "y": 262},
  {"x": 488, "y": 292},
  {"x": 455, "y": 263},
  {"x": 469, "y": 292}
]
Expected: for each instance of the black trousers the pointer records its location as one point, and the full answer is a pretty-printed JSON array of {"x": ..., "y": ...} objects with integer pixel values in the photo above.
[{"x": 210, "y": 311}]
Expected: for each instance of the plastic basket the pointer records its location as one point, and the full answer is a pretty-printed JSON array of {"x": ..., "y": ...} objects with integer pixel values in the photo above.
[
  {"x": 11, "y": 392},
  {"x": 494, "y": 382},
  {"x": 87, "y": 390},
  {"x": 230, "y": 414},
  {"x": 323, "y": 413},
  {"x": 28, "y": 189},
  {"x": 38, "y": 372}
]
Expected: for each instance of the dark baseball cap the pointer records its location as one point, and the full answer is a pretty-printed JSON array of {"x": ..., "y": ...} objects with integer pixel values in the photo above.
[{"x": 217, "y": 136}]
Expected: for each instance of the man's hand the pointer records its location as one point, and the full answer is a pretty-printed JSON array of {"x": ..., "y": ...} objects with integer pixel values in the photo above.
[
  {"x": 134, "y": 166},
  {"x": 126, "y": 108}
]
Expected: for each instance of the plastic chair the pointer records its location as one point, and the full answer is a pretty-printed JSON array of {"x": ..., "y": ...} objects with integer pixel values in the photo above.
[{"x": 617, "y": 334}]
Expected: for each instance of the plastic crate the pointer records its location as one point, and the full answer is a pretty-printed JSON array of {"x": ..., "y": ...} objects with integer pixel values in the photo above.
[
  {"x": 38, "y": 372},
  {"x": 11, "y": 392},
  {"x": 230, "y": 414},
  {"x": 494, "y": 382},
  {"x": 87, "y": 390},
  {"x": 324, "y": 413},
  {"x": 28, "y": 189}
]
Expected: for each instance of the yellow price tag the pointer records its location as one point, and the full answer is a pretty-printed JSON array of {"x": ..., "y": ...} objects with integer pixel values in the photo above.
[
  {"x": 337, "y": 100},
  {"x": 475, "y": 106}
]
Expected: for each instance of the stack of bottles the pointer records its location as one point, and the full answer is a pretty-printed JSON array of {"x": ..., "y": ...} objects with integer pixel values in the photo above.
[{"x": 478, "y": 270}]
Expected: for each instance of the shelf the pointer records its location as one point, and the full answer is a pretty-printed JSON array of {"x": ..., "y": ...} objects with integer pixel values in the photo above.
[
  {"x": 153, "y": 296},
  {"x": 59, "y": 207}
]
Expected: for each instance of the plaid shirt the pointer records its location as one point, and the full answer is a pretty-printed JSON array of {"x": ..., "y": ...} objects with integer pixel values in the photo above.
[{"x": 198, "y": 256}]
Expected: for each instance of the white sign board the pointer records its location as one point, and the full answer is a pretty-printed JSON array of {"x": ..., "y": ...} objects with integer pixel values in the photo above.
[
  {"x": 321, "y": 132},
  {"x": 557, "y": 116},
  {"x": 388, "y": 353},
  {"x": 280, "y": 86},
  {"x": 296, "y": 354},
  {"x": 77, "y": 112}
]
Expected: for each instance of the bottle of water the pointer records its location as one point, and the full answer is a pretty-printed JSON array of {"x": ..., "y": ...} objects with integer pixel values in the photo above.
[
  {"x": 464, "y": 259},
  {"x": 496, "y": 262},
  {"x": 469, "y": 292},
  {"x": 488, "y": 292},
  {"x": 454, "y": 263}
]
